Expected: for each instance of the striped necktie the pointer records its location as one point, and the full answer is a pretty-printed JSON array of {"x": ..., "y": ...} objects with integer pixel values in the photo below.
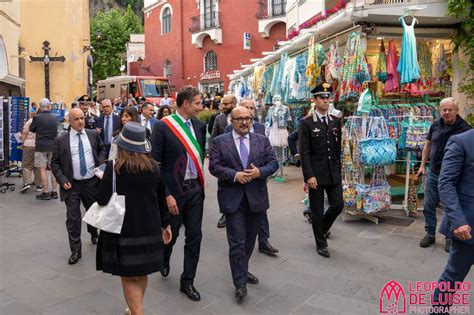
[{"x": 82, "y": 156}]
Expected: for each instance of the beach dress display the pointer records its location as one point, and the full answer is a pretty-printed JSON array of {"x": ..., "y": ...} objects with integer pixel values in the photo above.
[
  {"x": 408, "y": 66},
  {"x": 392, "y": 83}
]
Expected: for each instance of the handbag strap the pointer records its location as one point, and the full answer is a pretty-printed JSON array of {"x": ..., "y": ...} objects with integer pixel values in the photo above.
[{"x": 113, "y": 177}]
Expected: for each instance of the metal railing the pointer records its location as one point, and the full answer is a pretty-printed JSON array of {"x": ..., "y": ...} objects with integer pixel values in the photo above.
[
  {"x": 270, "y": 8},
  {"x": 205, "y": 21},
  {"x": 378, "y": 2}
]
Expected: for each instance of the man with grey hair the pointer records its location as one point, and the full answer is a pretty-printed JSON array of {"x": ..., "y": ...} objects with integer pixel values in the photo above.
[
  {"x": 45, "y": 126},
  {"x": 440, "y": 131}
]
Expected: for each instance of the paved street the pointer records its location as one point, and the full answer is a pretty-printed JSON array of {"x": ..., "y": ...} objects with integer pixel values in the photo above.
[{"x": 36, "y": 279}]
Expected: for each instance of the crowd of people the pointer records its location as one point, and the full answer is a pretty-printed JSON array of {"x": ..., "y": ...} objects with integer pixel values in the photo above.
[{"x": 155, "y": 158}]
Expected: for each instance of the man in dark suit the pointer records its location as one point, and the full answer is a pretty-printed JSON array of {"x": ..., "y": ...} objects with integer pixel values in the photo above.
[
  {"x": 178, "y": 143},
  {"x": 146, "y": 117},
  {"x": 107, "y": 123},
  {"x": 320, "y": 151},
  {"x": 228, "y": 103},
  {"x": 75, "y": 156},
  {"x": 242, "y": 161},
  {"x": 264, "y": 245},
  {"x": 456, "y": 190}
]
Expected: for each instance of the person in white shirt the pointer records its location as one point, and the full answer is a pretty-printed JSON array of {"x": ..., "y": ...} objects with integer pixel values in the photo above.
[
  {"x": 165, "y": 100},
  {"x": 146, "y": 117}
]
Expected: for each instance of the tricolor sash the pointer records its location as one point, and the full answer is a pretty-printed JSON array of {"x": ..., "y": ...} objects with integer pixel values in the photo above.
[{"x": 189, "y": 142}]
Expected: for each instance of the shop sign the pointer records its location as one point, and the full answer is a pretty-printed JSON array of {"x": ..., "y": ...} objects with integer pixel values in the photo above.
[
  {"x": 210, "y": 75},
  {"x": 246, "y": 41}
]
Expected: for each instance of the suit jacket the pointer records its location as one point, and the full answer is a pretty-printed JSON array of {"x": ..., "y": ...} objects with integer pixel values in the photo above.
[
  {"x": 211, "y": 122},
  {"x": 153, "y": 122},
  {"x": 168, "y": 150},
  {"x": 456, "y": 184},
  {"x": 100, "y": 124},
  {"x": 320, "y": 150},
  {"x": 224, "y": 163},
  {"x": 61, "y": 162},
  {"x": 219, "y": 125},
  {"x": 257, "y": 128}
]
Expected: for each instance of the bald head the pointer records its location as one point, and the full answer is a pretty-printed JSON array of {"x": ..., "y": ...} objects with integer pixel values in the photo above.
[
  {"x": 76, "y": 119},
  {"x": 241, "y": 120},
  {"x": 249, "y": 104},
  {"x": 228, "y": 103},
  {"x": 107, "y": 107}
]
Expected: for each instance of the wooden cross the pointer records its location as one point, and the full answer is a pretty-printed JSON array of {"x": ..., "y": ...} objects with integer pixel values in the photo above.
[{"x": 46, "y": 59}]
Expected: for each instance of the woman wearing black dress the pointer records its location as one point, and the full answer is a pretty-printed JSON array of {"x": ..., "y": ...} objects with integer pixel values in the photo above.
[{"x": 137, "y": 251}]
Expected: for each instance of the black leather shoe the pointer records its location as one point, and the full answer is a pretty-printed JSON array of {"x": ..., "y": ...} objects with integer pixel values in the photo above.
[
  {"x": 240, "y": 292},
  {"x": 54, "y": 195},
  {"x": 267, "y": 248},
  {"x": 190, "y": 292},
  {"x": 447, "y": 246},
  {"x": 74, "y": 258},
  {"x": 427, "y": 241},
  {"x": 323, "y": 252},
  {"x": 221, "y": 222},
  {"x": 251, "y": 278},
  {"x": 327, "y": 234},
  {"x": 94, "y": 240},
  {"x": 165, "y": 271}
]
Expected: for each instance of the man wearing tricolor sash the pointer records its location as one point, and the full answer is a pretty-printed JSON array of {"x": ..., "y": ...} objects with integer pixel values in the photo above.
[{"x": 178, "y": 143}]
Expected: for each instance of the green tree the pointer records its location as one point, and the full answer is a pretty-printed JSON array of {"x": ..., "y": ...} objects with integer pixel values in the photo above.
[
  {"x": 115, "y": 27},
  {"x": 463, "y": 41}
]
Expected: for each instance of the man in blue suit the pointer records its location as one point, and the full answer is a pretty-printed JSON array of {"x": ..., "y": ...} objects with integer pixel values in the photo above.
[
  {"x": 107, "y": 124},
  {"x": 242, "y": 161},
  {"x": 456, "y": 190},
  {"x": 264, "y": 245},
  {"x": 146, "y": 117}
]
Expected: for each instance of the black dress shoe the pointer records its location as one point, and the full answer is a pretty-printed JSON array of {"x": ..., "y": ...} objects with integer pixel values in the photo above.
[
  {"x": 267, "y": 248},
  {"x": 240, "y": 291},
  {"x": 74, "y": 258},
  {"x": 427, "y": 241},
  {"x": 251, "y": 278},
  {"x": 221, "y": 222},
  {"x": 190, "y": 292},
  {"x": 94, "y": 240},
  {"x": 323, "y": 251},
  {"x": 327, "y": 234},
  {"x": 165, "y": 271}
]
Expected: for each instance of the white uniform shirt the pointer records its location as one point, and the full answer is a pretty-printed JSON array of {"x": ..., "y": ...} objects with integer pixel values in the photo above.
[{"x": 76, "y": 166}]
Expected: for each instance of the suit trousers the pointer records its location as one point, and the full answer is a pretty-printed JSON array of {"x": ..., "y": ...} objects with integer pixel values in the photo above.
[
  {"x": 190, "y": 214},
  {"x": 460, "y": 261},
  {"x": 241, "y": 227},
  {"x": 82, "y": 191},
  {"x": 263, "y": 230},
  {"x": 322, "y": 221}
]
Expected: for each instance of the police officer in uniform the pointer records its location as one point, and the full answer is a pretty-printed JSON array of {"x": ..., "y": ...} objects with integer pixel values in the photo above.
[
  {"x": 89, "y": 118},
  {"x": 320, "y": 151}
]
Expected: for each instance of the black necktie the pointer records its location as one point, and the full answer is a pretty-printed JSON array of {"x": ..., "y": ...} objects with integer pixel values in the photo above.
[{"x": 324, "y": 121}]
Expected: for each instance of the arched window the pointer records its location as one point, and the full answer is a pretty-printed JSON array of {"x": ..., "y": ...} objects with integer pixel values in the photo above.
[
  {"x": 166, "y": 21},
  {"x": 210, "y": 61},
  {"x": 167, "y": 68}
]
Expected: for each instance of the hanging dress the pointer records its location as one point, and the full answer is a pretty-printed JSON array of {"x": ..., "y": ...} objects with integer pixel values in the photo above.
[
  {"x": 333, "y": 63},
  {"x": 393, "y": 78},
  {"x": 408, "y": 64},
  {"x": 266, "y": 83},
  {"x": 382, "y": 64},
  {"x": 425, "y": 82},
  {"x": 355, "y": 70}
]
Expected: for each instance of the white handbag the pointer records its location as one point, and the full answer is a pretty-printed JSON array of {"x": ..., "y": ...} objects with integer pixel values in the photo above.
[{"x": 108, "y": 218}]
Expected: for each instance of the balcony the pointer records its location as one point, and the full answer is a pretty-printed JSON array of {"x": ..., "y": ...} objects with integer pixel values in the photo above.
[
  {"x": 269, "y": 13},
  {"x": 203, "y": 25}
]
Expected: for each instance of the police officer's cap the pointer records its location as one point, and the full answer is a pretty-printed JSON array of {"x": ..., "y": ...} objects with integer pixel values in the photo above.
[
  {"x": 322, "y": 90},
  {"x": 83, "y": 98}
]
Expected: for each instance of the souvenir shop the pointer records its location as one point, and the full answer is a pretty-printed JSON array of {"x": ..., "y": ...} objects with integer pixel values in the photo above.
[{"x": 388, "y": 82}]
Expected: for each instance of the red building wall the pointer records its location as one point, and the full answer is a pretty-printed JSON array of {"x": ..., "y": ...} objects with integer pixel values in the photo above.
[{"x": 187, "y": 61}]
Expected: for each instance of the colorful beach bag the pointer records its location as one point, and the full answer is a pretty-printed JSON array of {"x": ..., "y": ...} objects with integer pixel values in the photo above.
[
  {"x": 376, "y": 196},
  {"x": 416, "y": 135},
  {"x": 378, "y": 149}
]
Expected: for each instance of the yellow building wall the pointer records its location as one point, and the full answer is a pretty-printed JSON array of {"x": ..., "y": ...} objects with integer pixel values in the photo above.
[
  {"x": 65, "y": 24},
  {"x": 10, "y": 32}
]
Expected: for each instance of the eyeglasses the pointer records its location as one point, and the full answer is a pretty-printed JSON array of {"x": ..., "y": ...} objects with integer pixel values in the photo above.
[{"x": 242, "y": 119}]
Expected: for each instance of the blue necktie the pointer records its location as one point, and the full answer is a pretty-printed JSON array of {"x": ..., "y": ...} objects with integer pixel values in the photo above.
[
  {"x": 244, "y": 152},
  {"x": 191, "y": 165},
  {"x": 106, "y": 131},
  {"x": 82, "y": 157}
]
